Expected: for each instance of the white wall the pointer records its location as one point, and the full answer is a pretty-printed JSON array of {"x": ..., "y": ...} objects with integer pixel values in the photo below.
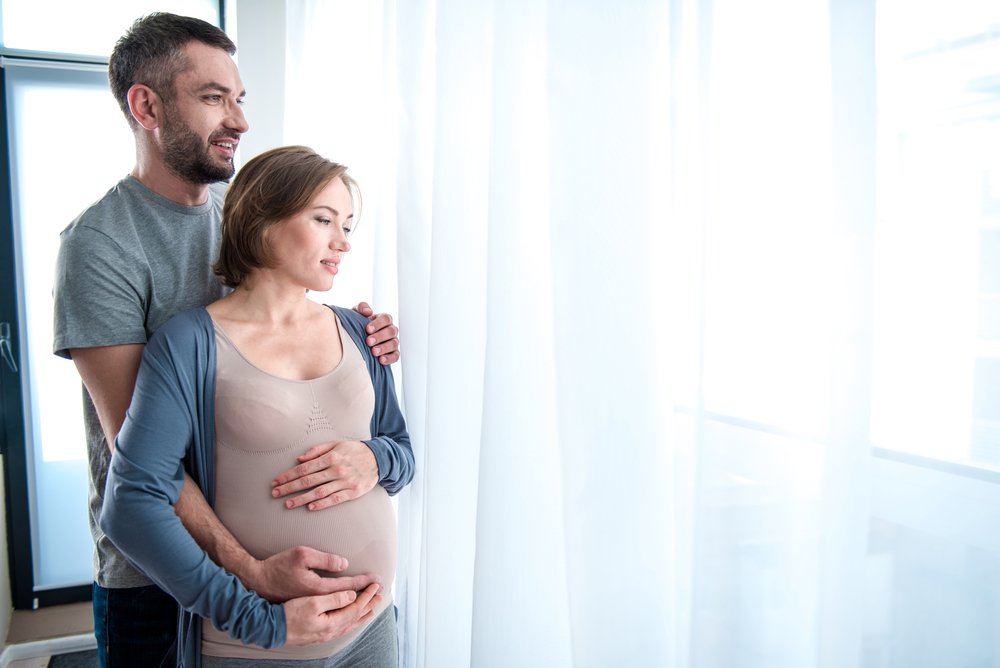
[{"x": 259, "y": 32}]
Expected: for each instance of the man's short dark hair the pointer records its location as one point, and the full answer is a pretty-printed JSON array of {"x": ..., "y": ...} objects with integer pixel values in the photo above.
[{"x": 151, "y": 53}]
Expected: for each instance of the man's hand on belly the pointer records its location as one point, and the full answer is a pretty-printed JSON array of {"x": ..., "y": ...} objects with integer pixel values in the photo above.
[
  {"x": 331, "y": 472},
  {"x": 292, "y": 574},
  {"x": 318, "y": 619}
]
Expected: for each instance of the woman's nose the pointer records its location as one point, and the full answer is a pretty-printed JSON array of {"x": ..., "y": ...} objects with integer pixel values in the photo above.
[{"x": 339, "y": 242}]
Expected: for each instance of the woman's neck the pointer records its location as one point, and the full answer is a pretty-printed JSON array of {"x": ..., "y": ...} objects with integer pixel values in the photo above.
[{"x": 262, "y": 300}]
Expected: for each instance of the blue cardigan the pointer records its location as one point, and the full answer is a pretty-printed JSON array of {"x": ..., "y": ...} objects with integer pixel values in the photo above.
[{"x": 170, "y": 427}]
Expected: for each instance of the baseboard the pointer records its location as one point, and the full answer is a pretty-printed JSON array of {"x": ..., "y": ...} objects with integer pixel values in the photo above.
[{"x": 50, "y": 647}]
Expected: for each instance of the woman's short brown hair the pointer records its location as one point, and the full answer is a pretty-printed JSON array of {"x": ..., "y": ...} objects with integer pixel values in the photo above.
[{"x": 270, "y": 188}]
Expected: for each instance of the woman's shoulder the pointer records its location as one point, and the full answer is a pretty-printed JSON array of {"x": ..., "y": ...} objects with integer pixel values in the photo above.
[
  {"x": 350, "y": 318},
  {"x": 185, "y": 328},
  {"x": 354, "y": 323},
  {"x": 185, "y": 320}
]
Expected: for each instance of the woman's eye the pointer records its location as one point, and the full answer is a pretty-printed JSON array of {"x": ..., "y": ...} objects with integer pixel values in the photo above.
[
  {"x": 347, "y": 229},
  {"x": 323, "y": 221}
]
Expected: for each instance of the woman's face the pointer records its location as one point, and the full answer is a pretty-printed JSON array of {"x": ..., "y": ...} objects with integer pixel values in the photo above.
[{"x": 307, "y": 248}]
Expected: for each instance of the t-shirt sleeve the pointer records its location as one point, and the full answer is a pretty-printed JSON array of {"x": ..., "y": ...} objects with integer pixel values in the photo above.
[{"x": 99, "y": 295}]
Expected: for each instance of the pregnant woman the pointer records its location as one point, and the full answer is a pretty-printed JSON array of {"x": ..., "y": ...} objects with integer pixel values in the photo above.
[{"x": 234, "y": 393}]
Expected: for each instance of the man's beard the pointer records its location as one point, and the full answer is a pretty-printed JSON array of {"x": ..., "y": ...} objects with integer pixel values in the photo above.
[{"x": 187, "y": 156}]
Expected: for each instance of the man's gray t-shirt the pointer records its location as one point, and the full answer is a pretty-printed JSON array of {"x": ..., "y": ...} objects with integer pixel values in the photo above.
[{"x": 126, "y": 265}]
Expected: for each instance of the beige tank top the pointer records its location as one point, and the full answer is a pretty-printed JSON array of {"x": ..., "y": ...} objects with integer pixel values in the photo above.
[{"x": 262, "y": 423}]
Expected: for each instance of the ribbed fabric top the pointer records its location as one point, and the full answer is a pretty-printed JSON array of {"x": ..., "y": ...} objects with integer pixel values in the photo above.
[{"x": 263, "y": 422}]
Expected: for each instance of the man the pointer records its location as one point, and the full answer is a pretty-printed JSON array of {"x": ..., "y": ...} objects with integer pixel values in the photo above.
[{"x": 131, "y": 261}]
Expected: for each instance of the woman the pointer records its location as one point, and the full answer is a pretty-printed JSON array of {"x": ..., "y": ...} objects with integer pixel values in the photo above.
[{"x": 233, "y": 392}]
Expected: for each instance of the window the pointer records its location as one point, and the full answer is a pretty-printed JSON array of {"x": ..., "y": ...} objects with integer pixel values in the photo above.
[{"x": 937, "y": 287}]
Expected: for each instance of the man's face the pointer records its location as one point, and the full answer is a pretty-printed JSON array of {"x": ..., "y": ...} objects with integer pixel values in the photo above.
[{"x": 203, "y": 121}]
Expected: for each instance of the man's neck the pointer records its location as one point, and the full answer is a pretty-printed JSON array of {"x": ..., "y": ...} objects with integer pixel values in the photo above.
[{"x": 166, "y": 184}]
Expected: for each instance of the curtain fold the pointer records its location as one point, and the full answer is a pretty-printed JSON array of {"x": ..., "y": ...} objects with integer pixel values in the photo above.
[{"x": 520, "y": 613}]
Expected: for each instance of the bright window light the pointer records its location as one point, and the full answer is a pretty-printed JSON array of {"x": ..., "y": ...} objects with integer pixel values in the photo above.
[
  {"x": 936, "y": 386},
  {"x": 83, "y": 28},
  {"x": 100, "y": 157},
  {"x": 767, "y": 290}
]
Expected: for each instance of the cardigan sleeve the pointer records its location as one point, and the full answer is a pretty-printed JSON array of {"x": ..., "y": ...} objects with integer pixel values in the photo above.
[
  {"x": 145, "y": 480},
  {"x": 390, "y": 442}
]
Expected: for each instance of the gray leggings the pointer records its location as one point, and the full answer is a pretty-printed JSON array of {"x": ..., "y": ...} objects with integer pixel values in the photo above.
[{"x": 375, "y": 648}]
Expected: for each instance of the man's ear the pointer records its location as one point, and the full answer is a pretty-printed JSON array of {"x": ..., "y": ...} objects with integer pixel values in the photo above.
[{"x": 145, "y": 105}]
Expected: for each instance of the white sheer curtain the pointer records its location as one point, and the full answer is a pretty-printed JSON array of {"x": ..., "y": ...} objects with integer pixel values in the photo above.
[
  {"x": 634, "y": 245},
  {"x": 544, "y": 521}
]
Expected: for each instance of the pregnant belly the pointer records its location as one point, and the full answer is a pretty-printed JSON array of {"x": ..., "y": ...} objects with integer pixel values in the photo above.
[{"x": 362, "y": 530}]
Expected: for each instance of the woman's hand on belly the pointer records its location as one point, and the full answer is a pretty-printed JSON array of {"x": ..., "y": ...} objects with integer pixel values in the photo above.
[
  {"x": 316, "y": 619},
  {"x": 331, "y": 472},
  {"x": 292, "y": 574}
]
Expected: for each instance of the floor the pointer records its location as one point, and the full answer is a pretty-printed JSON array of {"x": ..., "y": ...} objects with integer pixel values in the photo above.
[
  {"x": 54, "y": 622},
  {"x": 87, "y": 659},
  {"x": 52, "y": 637}
]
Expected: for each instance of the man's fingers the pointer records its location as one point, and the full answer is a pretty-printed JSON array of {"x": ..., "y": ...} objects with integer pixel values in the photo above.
[
  {"x": 314, "y": 619},
  {"x": 353, "y": 583},
  {"x": 336, "y": 600},
  {"x": 366, "y": 595},
  {"x": 365, "y": 617},
  {"x": 364, "y": 309},
  {"x": 381, "y": 336},
  {"x": 386, "y": 352},
  {"x": 366, "y": 614},
  {"x": 377, "y": 322},
  {"x": 359, "y": 603},
  {"x": 387, "y": 348},
  {"x": 325, "y": 561}
]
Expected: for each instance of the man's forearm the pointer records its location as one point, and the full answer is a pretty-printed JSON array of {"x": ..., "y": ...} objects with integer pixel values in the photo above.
[
  {"x": 292, "y": 573},
  {"x": 213, "y": 536}
]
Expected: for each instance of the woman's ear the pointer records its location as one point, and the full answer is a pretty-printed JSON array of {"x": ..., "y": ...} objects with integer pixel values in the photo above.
[{"x": 145, "y": 105}]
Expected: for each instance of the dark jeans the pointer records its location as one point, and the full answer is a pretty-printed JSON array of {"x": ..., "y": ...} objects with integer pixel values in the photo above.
[{"x": 135, "y": 627}]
